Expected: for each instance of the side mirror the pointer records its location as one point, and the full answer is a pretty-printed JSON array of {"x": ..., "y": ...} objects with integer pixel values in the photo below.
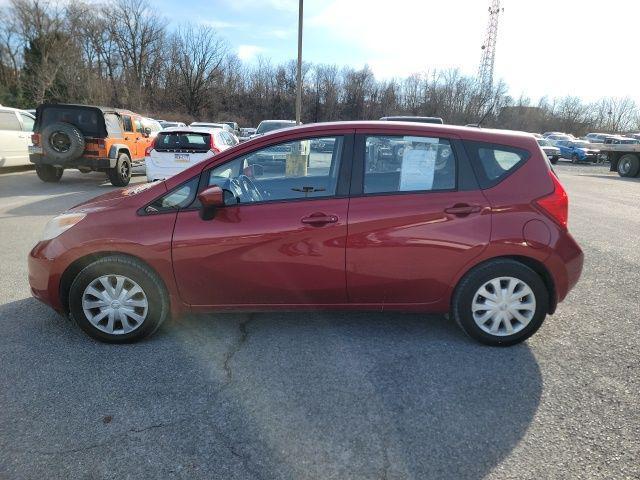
[
  {"x": 147, "y": 132},
  {"x": 210, "y": 198}
]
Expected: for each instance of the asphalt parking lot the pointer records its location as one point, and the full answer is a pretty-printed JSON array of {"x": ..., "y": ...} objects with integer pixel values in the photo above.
[{"x": 326, "y": 395}]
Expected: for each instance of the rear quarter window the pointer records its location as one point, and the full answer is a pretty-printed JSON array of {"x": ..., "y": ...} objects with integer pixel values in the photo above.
[{"x": 493, "y": 163}]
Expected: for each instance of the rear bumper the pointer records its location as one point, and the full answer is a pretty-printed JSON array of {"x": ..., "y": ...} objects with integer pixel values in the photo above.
[
  {"x": 154, "y": 172},
  {"x": 565, "y": 264},
  {"x": 93, "y": 163}
]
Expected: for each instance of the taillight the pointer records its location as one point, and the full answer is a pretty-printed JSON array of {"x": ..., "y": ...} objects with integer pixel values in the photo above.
[
  {"x": 556, "y": 204},
  {"x": 35, "y": 138},
  {"x": 212, "y": 146},
  {"x": 147, "y": 151}
]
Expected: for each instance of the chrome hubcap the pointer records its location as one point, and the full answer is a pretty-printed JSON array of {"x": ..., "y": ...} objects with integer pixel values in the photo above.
[
  {"x": 503, "y": 306},
  {"x": 115, "y": 304}
]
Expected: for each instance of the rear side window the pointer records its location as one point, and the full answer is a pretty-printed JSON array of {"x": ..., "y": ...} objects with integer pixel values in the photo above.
[
  {"x": 408, "y": 164},
  {"x": 493, "y": 163},
  {"x": 27, "y": 122},
  {"x": 192, "y": 141},
  {"x": 126, "y": 121},
  {"x": 113, "y": 125},
  {"x": 9, "y": 121}
]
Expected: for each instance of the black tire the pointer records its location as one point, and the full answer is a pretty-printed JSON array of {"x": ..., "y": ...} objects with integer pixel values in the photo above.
[
  {"x": 574, "y": 158},
  {"x": 145, "y": 277},
  {"x": 628, "y": 165},
  {"x": 476, "y": 278},
  {"x": 554, "y": 160},
  {"x": 49, "y": 173},
  {"x": 62, "y": 142},
  {"x": 120, "y": 175}
]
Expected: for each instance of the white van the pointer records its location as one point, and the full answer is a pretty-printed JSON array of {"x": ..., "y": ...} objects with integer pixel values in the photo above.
[{"x": 15, "y": 136}]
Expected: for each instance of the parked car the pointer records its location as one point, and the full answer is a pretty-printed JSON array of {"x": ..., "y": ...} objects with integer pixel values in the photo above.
[
  {"x": 245, "y": 133},
  {"x": 15, "y": 136},
  {"x": 414, "y": 119},
  {"x": 552, "y": 152},
  {"x": 474, "y": 222},
  {"x": 546, "y": 134},
  {"x": 176, "y": 149},
  {"x": 578, "y": 151},
  {"x": 267, "y": 126},
  {"x": 322, "y": 144},
  {"x": 558, "y": 137},
  {"x": 167, "y": 124},
  {"x": 90, "y": 139},
  {"x": 620, "y": 140},
  {"x": 235, "y": 128},
  {"x": 224, "y": 126},
  {"x": 596, "y": 137}
]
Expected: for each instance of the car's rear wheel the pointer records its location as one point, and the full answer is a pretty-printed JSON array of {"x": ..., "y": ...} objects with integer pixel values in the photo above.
[
  {"x": 554, "y": 160},
  {"x": 120, "y": 175},
  {"x": 500, "y": 303},
  {"x": 49, "y": 173},
  {"x": 574, "y": 158},
  {"x": 117, "y": 299},
  {"x": 628, "y": 166}
]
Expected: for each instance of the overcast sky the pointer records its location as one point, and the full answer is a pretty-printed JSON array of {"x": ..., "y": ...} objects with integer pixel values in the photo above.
[{"x": 545, "y": 47}]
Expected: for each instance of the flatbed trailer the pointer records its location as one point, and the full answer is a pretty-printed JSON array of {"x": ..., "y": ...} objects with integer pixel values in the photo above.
[{"x": 624, "y": 158}]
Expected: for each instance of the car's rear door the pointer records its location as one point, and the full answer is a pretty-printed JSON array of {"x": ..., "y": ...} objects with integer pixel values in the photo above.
[
  {"x": 11, "y": 145},
  {"x": 282, "y": 246},
  {"x": 416, "y": 217}
]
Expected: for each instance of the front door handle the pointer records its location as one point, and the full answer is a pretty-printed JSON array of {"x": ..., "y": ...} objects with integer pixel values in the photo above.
[
  {"x": 319, "y": 219},
  {"x": 462, "y": 209}
]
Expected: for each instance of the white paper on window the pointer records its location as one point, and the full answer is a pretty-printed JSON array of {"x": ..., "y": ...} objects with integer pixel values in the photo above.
[{"x": 418, "y": 163}]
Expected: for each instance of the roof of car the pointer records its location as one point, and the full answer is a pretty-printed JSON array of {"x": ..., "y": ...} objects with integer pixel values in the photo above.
[
  {"x": 189, "y": 129},
  {"x": 395, "y": 128},
  {"x": 77, "y": 105}
]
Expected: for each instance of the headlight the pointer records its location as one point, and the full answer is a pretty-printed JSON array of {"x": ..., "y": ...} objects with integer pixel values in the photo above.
[{"x": 59, "y": 224}]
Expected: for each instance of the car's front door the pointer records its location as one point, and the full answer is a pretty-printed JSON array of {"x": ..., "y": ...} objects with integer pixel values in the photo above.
[
  {"x": 416, "y": 217},
  {"x": 280, "y": 239},
  {"x": 130, "y": 136}
]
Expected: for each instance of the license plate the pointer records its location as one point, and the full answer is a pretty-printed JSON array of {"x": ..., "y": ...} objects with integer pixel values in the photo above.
[
  {"x": 182, "y": 157},
  {"x": 34, "y": 149}
]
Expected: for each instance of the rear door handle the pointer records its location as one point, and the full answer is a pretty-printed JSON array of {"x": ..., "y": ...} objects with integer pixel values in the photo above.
[
  {"x": 462, "y": 209},
  {"x": 319, "y": 219}
]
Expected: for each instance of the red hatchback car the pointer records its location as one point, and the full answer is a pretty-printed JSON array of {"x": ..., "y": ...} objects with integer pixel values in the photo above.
[{"x": 349, "y": 215}]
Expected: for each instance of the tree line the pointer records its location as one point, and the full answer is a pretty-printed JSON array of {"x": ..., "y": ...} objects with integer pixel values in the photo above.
[{"x": 124, "y": 54}]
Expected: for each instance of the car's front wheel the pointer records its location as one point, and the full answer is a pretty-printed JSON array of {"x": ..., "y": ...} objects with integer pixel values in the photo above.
[
  {"x": 117, "y": 299},
  {"x": 500, "y": 303}
]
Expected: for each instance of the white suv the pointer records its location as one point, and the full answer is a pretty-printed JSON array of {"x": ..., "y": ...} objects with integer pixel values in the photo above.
[
  {"x": 15, "y": 136},
  {"x": 176, "y": 149}
]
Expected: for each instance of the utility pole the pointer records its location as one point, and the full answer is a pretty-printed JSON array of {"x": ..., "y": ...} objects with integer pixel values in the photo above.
[
  {"x": 485, "y": 72},
  {"x": 299, "y": 72}
]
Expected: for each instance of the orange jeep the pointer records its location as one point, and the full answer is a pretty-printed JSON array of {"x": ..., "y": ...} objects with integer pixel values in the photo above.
[{"x": 90, "y": 139}]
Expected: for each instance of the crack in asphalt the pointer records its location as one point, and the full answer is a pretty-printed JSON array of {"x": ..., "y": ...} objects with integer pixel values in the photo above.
[{"x": 235, "y": 349}]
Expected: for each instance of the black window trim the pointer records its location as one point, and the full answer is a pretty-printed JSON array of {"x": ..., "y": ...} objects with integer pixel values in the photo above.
[
  {"x": 342, "y": 185},
  {"x": 357, "y": 180}
]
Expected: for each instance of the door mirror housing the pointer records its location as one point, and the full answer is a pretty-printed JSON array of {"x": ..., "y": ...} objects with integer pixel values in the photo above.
[{"x": 210, "y": 198}]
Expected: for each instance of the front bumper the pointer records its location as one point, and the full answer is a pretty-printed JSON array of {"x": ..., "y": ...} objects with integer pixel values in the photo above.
[{"x": 44, "y": 278}]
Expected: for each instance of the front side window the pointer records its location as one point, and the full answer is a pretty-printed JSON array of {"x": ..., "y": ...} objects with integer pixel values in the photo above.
[
  {"x": 286, "y": 171},
  {"x": 180, "y": 197},
  {"x": 409, "y": 163}
]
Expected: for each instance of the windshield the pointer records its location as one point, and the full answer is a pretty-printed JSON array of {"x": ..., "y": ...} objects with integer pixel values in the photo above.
[
  {"x": 581, "y": 144},
  {"x": 265, "y": 127}
]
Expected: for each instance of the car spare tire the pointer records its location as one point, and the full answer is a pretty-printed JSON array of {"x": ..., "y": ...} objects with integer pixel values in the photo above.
[{"x": 62, "y": 142}]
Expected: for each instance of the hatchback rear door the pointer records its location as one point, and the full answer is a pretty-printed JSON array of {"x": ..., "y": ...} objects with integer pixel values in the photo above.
[
  {"x": 180, "y": 149},
  {"x": 416, "y": 218}
]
